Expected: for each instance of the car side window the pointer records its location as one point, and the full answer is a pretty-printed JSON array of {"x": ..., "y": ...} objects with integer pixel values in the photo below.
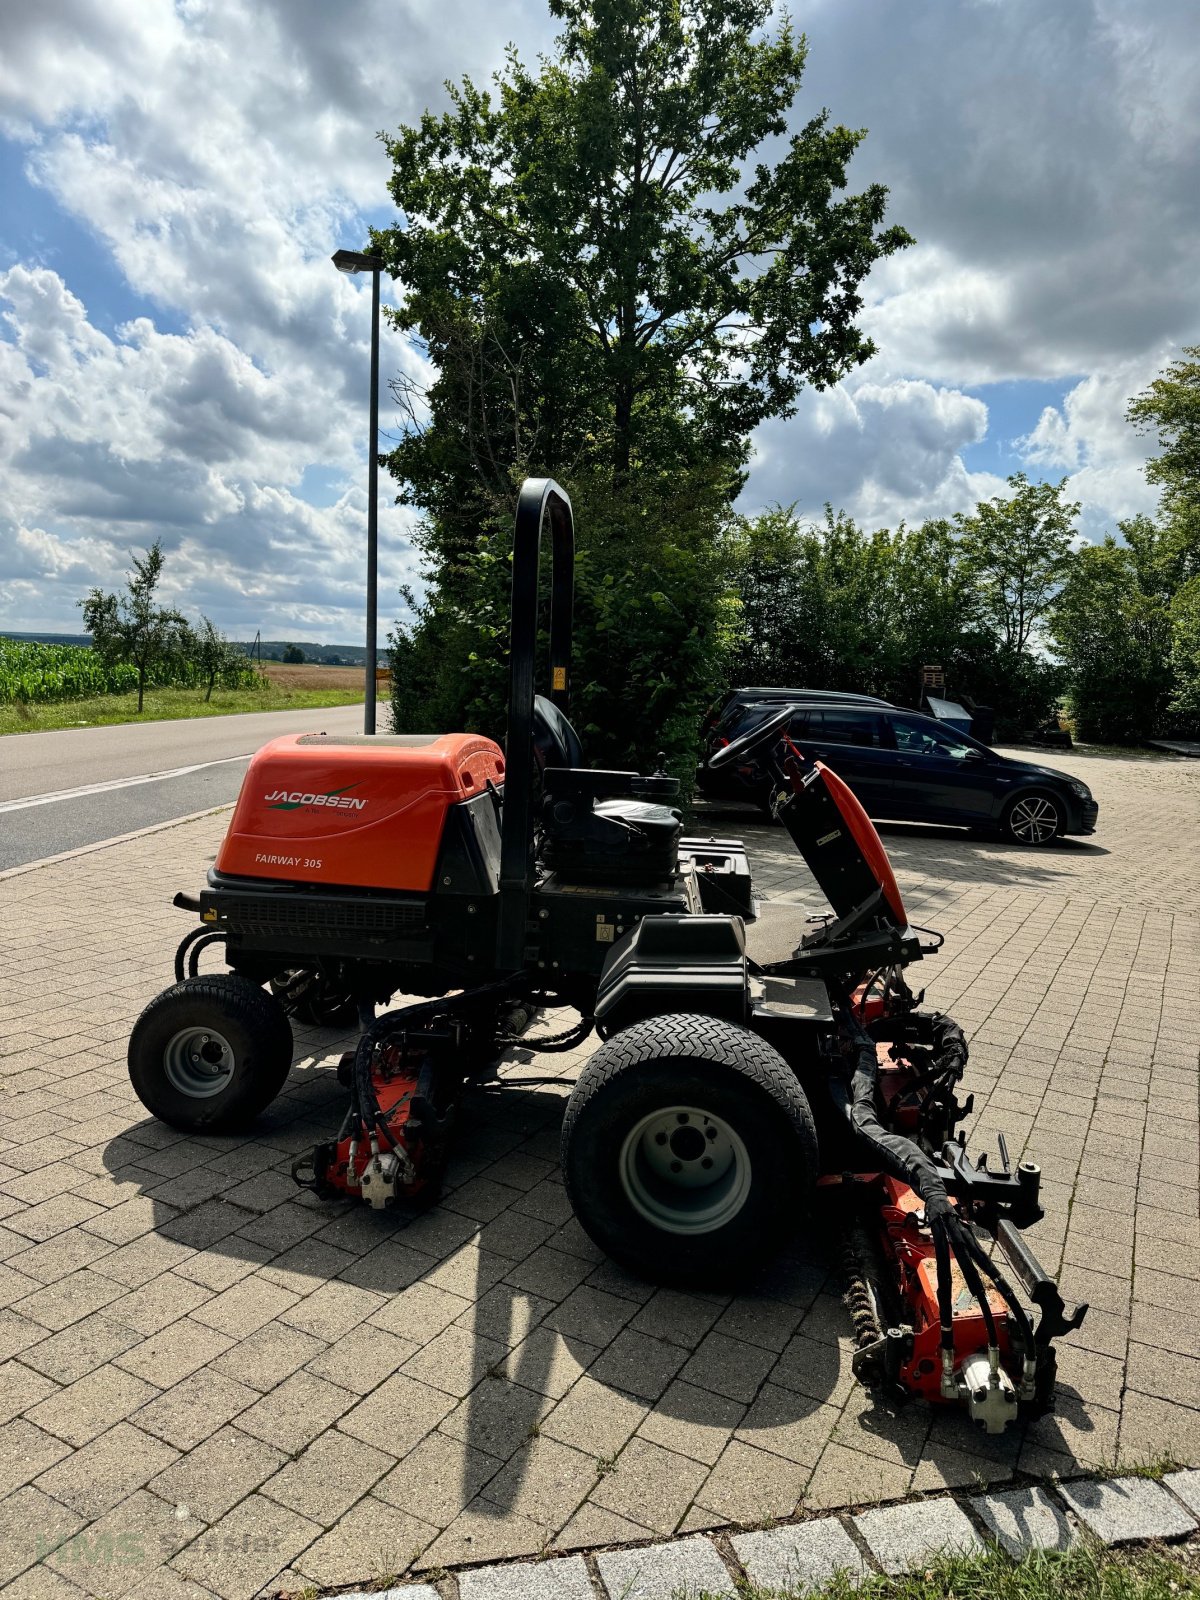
[
  {"x": 838, "y": 725},
  {"x": 917, "y": 737}
]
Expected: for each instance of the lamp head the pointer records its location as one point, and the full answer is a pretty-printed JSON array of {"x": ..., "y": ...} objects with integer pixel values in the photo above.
[{"x": 356, "y": 261}]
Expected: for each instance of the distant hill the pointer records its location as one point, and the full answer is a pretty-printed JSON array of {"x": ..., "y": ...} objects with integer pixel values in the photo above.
[
  {"x": 344, "y": 655},
  {"x": 46, "y": 638},
  {"x": 336, "y": 655}
]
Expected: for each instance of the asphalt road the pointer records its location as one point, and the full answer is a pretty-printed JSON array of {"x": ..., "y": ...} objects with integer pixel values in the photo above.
[{"x": 53, "y": 794}]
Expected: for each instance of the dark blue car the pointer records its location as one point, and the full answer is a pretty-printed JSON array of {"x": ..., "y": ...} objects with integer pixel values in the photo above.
[{"x": 906, "y": 767}]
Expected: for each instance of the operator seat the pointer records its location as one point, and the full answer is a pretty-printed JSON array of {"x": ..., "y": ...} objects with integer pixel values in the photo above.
[
  {"x": 555, "y": 742},
  {"x": 599, "y": 825}
]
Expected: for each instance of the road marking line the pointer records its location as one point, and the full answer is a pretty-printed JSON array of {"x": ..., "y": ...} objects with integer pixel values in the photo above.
[{"x": 114, "y": 783}]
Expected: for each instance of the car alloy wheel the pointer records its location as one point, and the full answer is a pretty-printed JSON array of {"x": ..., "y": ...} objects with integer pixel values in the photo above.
[{"x": 1033, "y": 820}]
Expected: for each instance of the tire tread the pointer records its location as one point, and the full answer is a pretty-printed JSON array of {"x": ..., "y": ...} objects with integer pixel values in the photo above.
[{"x": 707, "y": 1041}]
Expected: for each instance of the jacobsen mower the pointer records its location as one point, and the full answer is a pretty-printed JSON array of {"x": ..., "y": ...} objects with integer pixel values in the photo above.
[{"x": 732, "y": 1103}]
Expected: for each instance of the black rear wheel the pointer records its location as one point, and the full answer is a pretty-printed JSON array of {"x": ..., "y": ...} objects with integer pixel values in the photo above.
[
  {"x": 688, "y": 1150},
  {"x": 210, "y": 1053}
]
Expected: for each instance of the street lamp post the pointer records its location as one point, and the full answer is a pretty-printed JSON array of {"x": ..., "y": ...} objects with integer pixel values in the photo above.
[{"x": 354, "y": 261}]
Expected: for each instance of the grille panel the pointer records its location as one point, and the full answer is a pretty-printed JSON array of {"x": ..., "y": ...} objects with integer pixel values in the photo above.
[{"x": 263, "y": 916}]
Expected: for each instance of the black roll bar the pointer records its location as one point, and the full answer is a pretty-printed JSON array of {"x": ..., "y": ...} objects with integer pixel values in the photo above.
[{"x": 538, "y": 498}]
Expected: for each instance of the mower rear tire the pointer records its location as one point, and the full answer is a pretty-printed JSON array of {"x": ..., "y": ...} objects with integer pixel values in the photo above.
[
  {"x": 689, "y": 1151},
  {"x": 209, "y": 1054}
]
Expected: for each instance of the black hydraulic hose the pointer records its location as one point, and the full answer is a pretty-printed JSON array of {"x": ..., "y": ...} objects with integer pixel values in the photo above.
[
  {"x": 970, "y": 1272},
  {"x": 900, "y": 1156},
  {"x": 553, "y": 1044},
  {"x": 185, "y": 944},
  {"x": 945, "y": 1289},
  {"x": 197, "y": 946},
  {"x": 1004, "y": 1288}
]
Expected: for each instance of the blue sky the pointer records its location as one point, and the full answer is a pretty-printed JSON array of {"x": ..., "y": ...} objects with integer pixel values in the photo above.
[{"x": 178, "y": 356}]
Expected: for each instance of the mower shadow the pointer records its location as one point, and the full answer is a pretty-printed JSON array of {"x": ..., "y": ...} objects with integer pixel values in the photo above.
[{"x": 502, "y": 1304}]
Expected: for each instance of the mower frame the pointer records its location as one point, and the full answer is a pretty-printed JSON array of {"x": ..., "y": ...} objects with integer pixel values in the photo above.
[{"x": 830, "y": 1076}]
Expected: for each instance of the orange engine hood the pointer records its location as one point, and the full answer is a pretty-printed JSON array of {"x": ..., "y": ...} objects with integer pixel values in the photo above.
[{"x": 356, "y": 810}]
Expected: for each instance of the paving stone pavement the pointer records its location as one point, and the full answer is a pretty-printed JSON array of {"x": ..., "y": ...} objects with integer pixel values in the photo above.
[{"x": 211, "y": 1384}]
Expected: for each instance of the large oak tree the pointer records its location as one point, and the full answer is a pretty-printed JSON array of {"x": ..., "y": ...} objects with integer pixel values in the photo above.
[{"x": 619, "y": 264}]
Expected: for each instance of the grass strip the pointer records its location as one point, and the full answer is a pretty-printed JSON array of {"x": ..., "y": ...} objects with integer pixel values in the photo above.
[{"x": 1084, "y": 1573}]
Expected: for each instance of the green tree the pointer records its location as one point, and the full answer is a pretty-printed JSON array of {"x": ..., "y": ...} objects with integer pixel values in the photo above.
[
  {"x": 217, "y": 658},
  {"x": 1111, "y": 623},
  {"x": 293, "y": 655},
  {"x": 1016, "y": 551},
  {"x": 1170, "y": 409},
  {"x": 831, "y": 606},
  {"x": 1185, "y": 655},
  {"x": 132, "y": 626},
  {"x": 574, "y": 223},
  {"x": 655, "y": 621},
  {"x": 618, "y": 266}
]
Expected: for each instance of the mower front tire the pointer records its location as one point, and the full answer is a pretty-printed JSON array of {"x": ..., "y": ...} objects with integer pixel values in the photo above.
[
  {"x": 210, "y": 1053},
  {"x": 688, "y": 1150}
]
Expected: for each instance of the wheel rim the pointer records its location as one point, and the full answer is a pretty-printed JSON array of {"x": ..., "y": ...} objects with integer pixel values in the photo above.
[
  {"x": 1034, "y": 820},
  {"x": 198, "y": 1062},
  {"x": 685, "y": 1170}
]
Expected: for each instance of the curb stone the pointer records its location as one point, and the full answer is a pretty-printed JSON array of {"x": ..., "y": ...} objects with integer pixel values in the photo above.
[
  {"x": 806, "y": 1553},
  {"x": 902, "y": 1537},
  {"x": 1186, "y": 1485},
  {"x": 564, "y": 1578},
  {"x": 1024, "y": 1520},
  {"x": 687, "y": 1567},
  {"x": 1124, "y": 1509},
  {"x": 811, "y": 1552}
]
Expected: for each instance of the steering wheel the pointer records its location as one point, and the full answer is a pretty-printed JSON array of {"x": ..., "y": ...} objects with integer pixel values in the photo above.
[{"x": 762, "y": 734}]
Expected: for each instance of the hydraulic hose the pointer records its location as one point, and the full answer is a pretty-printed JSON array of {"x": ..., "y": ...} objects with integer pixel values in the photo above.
[
  {"x": 971, "y": 1278},
  {"x": 185, "y": 944},
  {"x": 197, "y": 946},
  {"x": 945, "y": 1295},
  {"x": 905, "y": 1159},
  {"x": 1008, "y": 1295},
  {"x": 897, "y": 1155}
]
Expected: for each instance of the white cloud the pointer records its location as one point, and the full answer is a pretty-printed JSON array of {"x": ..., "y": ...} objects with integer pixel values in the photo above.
[
  {"x": 116, "y": 441},
  {"x": 217, "y": 151},
  {"x": 883, "y": 450},
  {"x": 1047, "y": 159},
  {"x": 1090, "y": 439}
]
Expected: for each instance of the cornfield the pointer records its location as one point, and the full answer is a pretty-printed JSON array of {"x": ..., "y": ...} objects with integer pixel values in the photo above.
[{"x": 36, "y": 673}]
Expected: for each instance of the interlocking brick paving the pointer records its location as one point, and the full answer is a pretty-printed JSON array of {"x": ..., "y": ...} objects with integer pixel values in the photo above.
[{"x": 211, "y": 1383}]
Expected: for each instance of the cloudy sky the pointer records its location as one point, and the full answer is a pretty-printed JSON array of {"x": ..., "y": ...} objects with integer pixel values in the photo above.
[{"x": 179, "y": 358}]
